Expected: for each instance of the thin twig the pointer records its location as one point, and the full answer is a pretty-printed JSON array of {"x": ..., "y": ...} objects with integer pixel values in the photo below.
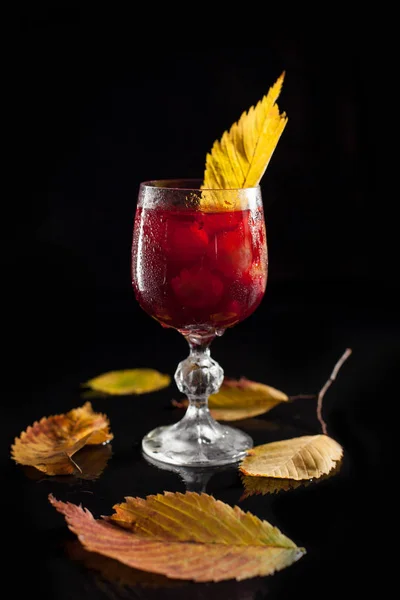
[
  {"x": 74, "y": 463},
  {"x": 326, "y": 387}
]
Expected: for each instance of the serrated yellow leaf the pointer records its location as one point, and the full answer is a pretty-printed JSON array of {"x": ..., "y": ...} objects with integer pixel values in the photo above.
[
  {"x": 129, "y": 381},
  {"x": 184, "y": 536},
  {"x": 297, "y": 458},
  {"x": 193, "y": 517},
  {"x": 240, "y": 158}
]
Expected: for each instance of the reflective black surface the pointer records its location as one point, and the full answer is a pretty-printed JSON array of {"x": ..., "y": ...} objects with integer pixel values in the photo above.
[
  {"x": 92, "y": 116},
  {"x": 294, "y": 348}
]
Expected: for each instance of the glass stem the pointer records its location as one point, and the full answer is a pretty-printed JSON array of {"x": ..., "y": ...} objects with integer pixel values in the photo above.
[
  {"x": 199, "y": 376},
  {"x": 197, "y": 440}
]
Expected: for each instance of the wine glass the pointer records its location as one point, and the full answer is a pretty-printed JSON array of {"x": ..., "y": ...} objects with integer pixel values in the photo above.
[{"x": 199, "y": 265}]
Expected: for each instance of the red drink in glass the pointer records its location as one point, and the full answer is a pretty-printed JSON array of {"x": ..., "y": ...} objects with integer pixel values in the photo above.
[
  {"x": 199, "y": 265},
  {"x": 199, "y": 271}
]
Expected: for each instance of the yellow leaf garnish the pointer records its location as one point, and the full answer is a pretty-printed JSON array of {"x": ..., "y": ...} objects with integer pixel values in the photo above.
[
  {"x": 129, "y": 381},
  {"x": 240, "y": 158}
]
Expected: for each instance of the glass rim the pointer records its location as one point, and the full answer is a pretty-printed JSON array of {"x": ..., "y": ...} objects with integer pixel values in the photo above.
[{"x": 189, "y": 186}]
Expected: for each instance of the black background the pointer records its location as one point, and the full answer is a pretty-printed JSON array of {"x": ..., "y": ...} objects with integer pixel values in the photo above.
[{"x": 94, "y": 115}]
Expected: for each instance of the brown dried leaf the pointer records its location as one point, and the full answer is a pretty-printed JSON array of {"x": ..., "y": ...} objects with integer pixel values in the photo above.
[
  {"x": 129, "y": 381},
  {"x": 184, "y": 536},
  {"x": 49, "y": 444},
  {"x": 298, "y": 458},
  {"x": 240, "y": 399}
]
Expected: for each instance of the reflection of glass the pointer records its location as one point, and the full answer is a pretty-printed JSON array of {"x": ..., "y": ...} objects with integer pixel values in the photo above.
[
  {"x": 195, "y": 478},
  {"x": 198, "y": 272}
]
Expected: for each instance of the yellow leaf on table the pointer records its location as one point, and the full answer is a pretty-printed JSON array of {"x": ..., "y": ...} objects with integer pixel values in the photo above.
[
  {"x": 240, "y": 399},
  {"x": 129, "y": 381},
  {"x": 241, "y": 157},
  {"x": 184, "y": 536},
  {"x": 298, "y": 458},
  {"x": 49, "y": 444}
]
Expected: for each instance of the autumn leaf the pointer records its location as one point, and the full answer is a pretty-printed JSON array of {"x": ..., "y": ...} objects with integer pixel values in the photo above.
[
  {"x": 298, "y": 458},
  {"x": 240, "y": 399},
  {"x": 184, "y": 536},
  {"x": 241, "y": 157},
  {"x": 129, "y": 381},
  {"x": 49, "y": 444}
]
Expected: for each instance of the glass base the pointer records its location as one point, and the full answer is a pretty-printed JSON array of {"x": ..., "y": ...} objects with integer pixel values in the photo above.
[{"x": 204, "y": 443}]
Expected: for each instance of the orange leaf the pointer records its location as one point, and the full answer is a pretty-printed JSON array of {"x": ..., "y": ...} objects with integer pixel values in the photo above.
[
  {"x": 184, "y": 536},
  {"x": 49, "y": 444}
]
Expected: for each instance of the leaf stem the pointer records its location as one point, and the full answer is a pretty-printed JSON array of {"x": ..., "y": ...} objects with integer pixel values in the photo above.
[
  {"x": 74, "y": 463},
  {"x": 327, "y": 385}
]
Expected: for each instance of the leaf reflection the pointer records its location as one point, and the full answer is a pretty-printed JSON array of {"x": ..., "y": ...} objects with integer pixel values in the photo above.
[
  {"x": 91, "y": 460},
  {"x": 271, "y": 485},
  {"x": 120, "y": 582},
  {"x": 115, "y": 571}
]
